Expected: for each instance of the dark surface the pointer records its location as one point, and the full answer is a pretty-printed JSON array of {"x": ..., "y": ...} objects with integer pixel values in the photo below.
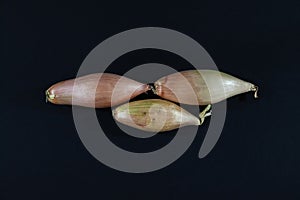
[{"x": 257, "y": 156}]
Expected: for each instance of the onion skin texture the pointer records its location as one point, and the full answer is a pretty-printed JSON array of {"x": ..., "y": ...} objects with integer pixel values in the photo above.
[
  {"x": 154, "y": 115},
  {"x": 201, "y": 87},
  {"x": 99, "y": 90}
]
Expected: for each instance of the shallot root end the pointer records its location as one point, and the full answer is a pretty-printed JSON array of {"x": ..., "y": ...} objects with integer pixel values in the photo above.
[
  {"x": 153, "y": 89},
  {"x": 49, "y": 96}
]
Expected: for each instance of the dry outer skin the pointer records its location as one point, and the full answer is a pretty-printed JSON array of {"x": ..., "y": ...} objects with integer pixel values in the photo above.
[
  {"x": 200, "y": 87},
  {"x": 83, "y": 92},
  {"x": 154, "y": 115}
]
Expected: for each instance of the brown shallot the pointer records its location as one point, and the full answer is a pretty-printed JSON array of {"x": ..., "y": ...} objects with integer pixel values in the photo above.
[
  {"x": 201, "y": 87},
  {"x": 97, "y": 90},
  {"x": 156, "y": 115}
]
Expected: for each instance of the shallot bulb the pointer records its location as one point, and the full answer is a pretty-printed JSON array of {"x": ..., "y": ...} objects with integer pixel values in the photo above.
[
  {"x": 156, "y": 115},
  {"x": 201, "y": 87},
  {"x": 98, "y": 90}
]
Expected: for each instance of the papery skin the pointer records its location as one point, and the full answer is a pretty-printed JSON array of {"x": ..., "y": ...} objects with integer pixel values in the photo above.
[
  {"x": 154, "y": 115},
  {"x": 99, "y": 90},
  {"x": 200, "y": 87}
]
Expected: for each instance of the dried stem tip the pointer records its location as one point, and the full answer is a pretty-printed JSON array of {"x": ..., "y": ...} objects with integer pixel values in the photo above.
[
  {"x": 205, "y": 113},
  {"x": 254, "y": 88}
]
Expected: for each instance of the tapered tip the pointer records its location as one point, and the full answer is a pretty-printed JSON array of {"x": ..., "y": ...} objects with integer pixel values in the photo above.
[
  {"x": 114, "y": 112},
  {"x": 254, "y": 88},
  {"x": 205, "y": 113},
  {"x": 50, "y": 96}
]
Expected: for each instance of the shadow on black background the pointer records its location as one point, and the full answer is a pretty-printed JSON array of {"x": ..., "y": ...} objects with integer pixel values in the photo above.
[{"x": 257, "y": 156}]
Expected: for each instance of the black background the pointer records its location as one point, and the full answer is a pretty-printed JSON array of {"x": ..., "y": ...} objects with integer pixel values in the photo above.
[{"x": 257, "y": 156}]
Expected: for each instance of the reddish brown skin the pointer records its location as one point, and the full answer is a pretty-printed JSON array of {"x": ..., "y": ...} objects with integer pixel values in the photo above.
[
  {"x": 111, "y": 90},
  {"x": 182, "y": 87}
]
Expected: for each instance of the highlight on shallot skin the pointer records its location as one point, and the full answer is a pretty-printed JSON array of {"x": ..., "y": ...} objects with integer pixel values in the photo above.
[
  {"x": 95, "y": 90},
  {"x": 209, "y": 86}
]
